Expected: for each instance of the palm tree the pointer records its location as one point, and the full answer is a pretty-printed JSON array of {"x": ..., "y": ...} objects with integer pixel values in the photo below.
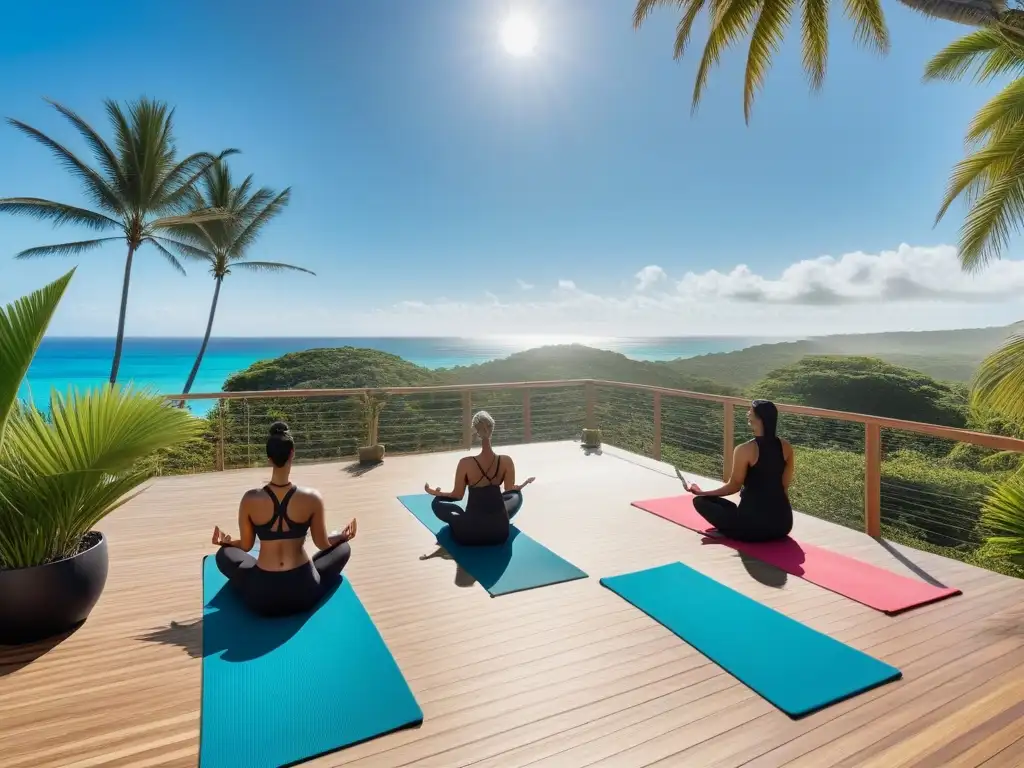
[
  {"x": 990, "y": 177},
  {"x": 138, "y": 187},
  {"x": 224, "y": 244},
  {"x": 767, "y": 20}
]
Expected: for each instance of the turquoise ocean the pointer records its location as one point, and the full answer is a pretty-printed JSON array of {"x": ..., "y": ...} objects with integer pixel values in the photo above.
[{"x": 163, "y": 364}]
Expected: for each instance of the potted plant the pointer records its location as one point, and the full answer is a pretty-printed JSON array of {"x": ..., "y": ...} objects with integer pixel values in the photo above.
[
  {"x": 591, "y": 438},
  {"x": 61, "y": 473},
  {"x": 370, "y": 406}
]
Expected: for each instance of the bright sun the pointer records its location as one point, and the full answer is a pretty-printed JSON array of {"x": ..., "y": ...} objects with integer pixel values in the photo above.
[{"x": 519, "y": 36}]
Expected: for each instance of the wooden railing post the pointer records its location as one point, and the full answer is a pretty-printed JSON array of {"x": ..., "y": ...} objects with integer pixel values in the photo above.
[
  {"x": 527, "y": 418},
  {"x": 728, "y": 439},
  {"x": 873, "y": 480},
  {"x": 219, "y": 456},
  {"x": 656, "y": 449},
  {"x": 590, "y": 392},
  {"x": 467, "y": 419}
]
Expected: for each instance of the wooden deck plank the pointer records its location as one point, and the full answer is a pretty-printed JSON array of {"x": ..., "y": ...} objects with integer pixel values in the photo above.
[{"x": 569, "y": 675}]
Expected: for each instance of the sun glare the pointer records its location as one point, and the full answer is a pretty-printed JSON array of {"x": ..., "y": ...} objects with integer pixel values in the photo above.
[{"x": 519, "y": 36}]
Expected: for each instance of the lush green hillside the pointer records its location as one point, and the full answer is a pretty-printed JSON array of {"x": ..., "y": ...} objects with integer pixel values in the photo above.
[
  {"x": 574, "y": 361},
  {"x": 334, "y": 368},
  {"x": 944, "y": 355}
]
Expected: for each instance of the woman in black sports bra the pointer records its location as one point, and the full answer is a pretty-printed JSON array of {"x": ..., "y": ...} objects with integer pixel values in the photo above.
[
  {"x": 283, "y": 580},
  {"x": 762, "y": 470},
  {"x": 485, "y": 521}
]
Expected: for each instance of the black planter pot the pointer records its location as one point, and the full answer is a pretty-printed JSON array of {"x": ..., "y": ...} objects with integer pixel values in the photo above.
[{"x": 46, "y": 600}]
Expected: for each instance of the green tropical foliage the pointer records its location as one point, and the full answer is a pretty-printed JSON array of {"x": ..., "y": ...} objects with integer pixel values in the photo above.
[
  {"x": 1003, "y": 514},
  {"x": 61, "y": 473},
  {"x": 224, "y": 244},
  {"x": 766, "y": 22},
  {"x": 989, "y": 178},
  {"x": 137, "y": 188}
]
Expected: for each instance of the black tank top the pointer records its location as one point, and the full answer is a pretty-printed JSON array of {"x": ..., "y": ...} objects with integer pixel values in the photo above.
[
  {"x": 280, "y": 525},
  {"x": 762, "y": 490},
  {"x": 485, "y": 497}
]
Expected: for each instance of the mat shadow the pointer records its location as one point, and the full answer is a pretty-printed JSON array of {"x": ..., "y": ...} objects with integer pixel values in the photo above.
[
  {"x": 232, "y": 630},
  {"x": 792, "y": 559},
  {"x": 767, "y": 574},
  {"x": 462, "y": 577},
  {"x": 488, "y": 563}
]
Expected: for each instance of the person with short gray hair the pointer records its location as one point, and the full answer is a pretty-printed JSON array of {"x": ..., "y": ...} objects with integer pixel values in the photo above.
[{"x": 489, "y": 510}]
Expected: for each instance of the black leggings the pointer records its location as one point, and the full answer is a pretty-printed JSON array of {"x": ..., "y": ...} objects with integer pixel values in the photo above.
[
  {"x": 742, "y": 524},
  {"x": 282, "y": 593},
  {"x": 478, "y": 528}
]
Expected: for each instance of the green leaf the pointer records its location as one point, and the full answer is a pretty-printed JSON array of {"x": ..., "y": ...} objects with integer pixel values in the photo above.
[
  {"x": 999, "y": 383},
  {"x": 22, "y": 326}
]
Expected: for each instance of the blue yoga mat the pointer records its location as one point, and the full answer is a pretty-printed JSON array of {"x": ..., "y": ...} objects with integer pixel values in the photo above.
[
  {"x": 796, "y": 668},
  {"x": 283, "y": 690},
  {"x": 520, "y": 563}
]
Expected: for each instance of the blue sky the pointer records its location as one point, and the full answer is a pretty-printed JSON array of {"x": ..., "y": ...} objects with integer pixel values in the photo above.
[{"x": 441, "y": 186}]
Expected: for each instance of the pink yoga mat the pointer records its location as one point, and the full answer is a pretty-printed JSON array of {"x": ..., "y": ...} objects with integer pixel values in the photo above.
[{"x": 867, "y": 584}]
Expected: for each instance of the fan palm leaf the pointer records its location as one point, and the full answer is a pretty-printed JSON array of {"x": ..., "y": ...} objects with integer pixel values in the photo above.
[
  {"x": 60, "y": 474},
  {"x": 225, "y": 241},
  {"x": 1003, "y": 516},
  {"x": 137, "y": 184},
  {"x": 22, "y": 325}
]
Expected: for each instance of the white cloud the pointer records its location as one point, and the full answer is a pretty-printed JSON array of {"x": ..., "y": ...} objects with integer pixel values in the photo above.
[
  {"x": 910, "y": 288},
  {"x": 905, "y": 275},
  {"x": 649, "y": 276},
  {"x": 524, "y": 285}
]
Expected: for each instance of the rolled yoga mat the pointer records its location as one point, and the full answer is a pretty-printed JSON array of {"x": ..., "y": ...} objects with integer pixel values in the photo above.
[
  {"x": 794, "y": 667},
  {"x": 867, "y": 584},
  {"x": 278, "y": 691},
  {"x": 520, "y": 563}
]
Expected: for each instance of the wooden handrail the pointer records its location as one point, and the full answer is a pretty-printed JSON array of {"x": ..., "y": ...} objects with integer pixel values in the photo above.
[{"x": 873, "y": 425}]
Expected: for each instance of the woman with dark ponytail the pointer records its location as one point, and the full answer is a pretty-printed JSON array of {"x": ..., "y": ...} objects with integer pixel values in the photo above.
[
  {"x": 762, "y": 470},
  {"x": 283, "y": 579}
]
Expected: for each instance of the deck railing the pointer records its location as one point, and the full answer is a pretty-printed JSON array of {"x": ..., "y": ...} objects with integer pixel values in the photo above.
[{"x": 879, "y": 474}]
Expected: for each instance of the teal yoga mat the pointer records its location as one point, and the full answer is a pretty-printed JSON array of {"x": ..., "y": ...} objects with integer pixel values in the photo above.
[
  {"x": 280, "y": 691},
  {"x": 796, "y": 668},
  {"x": 520, "y": 563}
]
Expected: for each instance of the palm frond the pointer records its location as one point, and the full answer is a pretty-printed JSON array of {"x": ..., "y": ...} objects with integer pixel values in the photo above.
[
  {"x": 815, "y": 41},
  {"x": 187, "y": 250},
  {"x": 56, "y": 213},
  {"x": 22, "y": 326},
  {"x": 685, "y": 27},
  {"x": 953, "y": 61},
  {"x": 169, "y": 257},
  {"x": 60, "y": 476},
  {"x": 175, "y": 189},
  {"x": 1000, "y": 114},
  {"x": 764, "y": 43},
  {"x": 100, "y": 149},
  {"x": 999, "y": 382},
  {"x": 251, "y": 229},
  {"x": 96, "y": 187},
  {"x": 645, "y": 7},
  {"x": 64, "y": 249},
  {"x": 1003, "y": 515},
  {"x": 1002, "y": 149},
  {"x": 869, "y": 23},
  {"x": 971, "y": 12},
  {"x": 268, "y": 266},
  {"x": 727, "y": 26}
]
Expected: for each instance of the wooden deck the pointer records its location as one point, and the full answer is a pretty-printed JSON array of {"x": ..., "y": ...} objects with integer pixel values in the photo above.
[{"x": 569, "y": 675}]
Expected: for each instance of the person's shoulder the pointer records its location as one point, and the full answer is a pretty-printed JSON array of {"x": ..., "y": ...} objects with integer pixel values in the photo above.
[
  {"x": 309, "y": 493},
  {"x": 254, "y": 493}
]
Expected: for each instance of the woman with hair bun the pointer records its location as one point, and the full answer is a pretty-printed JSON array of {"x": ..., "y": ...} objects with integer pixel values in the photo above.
[
  {"x": 283, "y": 579},
  {"x": 762, "y": 470},
  {"x": 485, "y": 521}
]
